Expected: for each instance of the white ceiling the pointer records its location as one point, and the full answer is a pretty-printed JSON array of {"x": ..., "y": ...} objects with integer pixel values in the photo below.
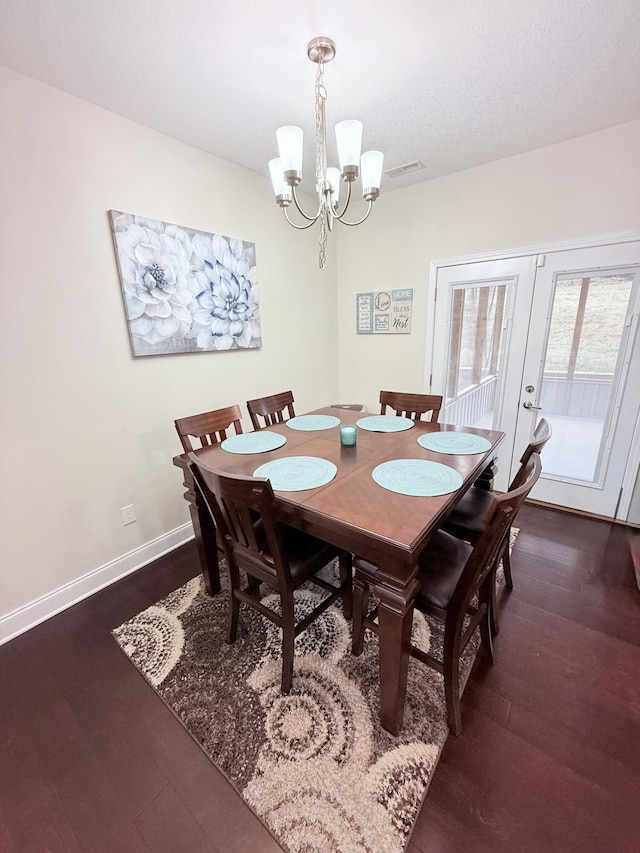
[{"x": 453, "y": 83}]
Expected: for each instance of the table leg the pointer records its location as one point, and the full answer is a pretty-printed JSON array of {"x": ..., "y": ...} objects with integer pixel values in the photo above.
[
  {"x": 395, "y": 616},
  {"x": 485, "y": 480},
  {"x": 205, "y": 536}
]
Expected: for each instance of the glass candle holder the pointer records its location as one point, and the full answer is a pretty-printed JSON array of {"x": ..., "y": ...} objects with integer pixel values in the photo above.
[{"x": 348, "y": 433}]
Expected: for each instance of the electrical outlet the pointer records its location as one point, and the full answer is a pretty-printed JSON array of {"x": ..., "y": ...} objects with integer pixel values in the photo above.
[{"x": 128, "y": 514}]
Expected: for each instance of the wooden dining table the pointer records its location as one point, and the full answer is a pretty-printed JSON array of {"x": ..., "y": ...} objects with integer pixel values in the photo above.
[{"x": 353, "y": 512}]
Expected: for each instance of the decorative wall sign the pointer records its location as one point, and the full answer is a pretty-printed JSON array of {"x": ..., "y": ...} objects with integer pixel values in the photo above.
[
  {"x": 384, "y": 312},
  {"x": 185, "y": 290}
]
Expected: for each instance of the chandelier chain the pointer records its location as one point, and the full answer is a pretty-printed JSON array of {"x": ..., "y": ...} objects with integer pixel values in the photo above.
[{"x": 321, "y": 159}]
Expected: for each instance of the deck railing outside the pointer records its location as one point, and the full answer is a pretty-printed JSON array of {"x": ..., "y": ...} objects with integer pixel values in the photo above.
[
  {"x": 472, "y": 405},
  {"x": 583, "y": 396}
]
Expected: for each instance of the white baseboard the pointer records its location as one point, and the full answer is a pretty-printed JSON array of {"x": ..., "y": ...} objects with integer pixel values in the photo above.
[{"x": 20, "y": 620}]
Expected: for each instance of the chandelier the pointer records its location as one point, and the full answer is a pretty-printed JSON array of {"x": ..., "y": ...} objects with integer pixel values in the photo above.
[{"x": 286, "y": 170}]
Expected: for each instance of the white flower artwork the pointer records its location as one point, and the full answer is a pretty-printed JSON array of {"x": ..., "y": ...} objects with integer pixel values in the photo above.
[{"x": 185, "y": 290}]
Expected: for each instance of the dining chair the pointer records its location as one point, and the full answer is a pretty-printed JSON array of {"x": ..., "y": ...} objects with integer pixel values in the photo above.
[
  {"x": 466, "y": 520},
  {"x": 456, "y": 587},
  {"x": 208, "y": 427},
  {"x": 411, "y": 405},
  {"x": 269, "y": 552},
  {"x": 271, "y": 409}
]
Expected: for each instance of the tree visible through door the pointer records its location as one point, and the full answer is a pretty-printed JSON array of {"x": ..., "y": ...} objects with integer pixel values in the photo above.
[{"x": 583, "y": 349}]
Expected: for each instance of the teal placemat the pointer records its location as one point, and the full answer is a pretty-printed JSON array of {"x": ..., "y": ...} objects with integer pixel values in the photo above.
[
  {"x": 460, "y": 443},
  {"x": 297, "y": 473},
  {"x": 313, "y": 422},
  {"x": 253, "y": 442},
  {"x": 385, "y": 423},
  {"x": 418, "y": 477}
]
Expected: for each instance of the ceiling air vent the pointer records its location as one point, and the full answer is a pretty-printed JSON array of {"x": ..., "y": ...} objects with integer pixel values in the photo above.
[{"x": 406, "y": 169}]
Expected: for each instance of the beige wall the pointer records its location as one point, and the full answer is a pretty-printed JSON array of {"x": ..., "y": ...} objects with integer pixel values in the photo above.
[
  {"x": 86, "y": 428},
  {"x": 582, "y": 188}
]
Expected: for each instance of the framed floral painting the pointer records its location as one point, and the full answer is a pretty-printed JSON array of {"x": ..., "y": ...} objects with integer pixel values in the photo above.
[{"x": 185, "y": 290}]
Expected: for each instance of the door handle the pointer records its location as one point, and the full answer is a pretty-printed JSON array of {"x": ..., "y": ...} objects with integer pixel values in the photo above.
[{"x": 528, "y": 405}]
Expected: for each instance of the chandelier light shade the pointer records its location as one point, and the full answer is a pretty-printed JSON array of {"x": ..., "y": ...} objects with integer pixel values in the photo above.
[{"x": 286, "y": 170}]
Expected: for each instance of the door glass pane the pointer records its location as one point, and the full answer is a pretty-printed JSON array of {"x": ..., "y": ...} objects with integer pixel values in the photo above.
[
  {"x": 585, "y": 334},
  {"x": 476, "y": 343}
]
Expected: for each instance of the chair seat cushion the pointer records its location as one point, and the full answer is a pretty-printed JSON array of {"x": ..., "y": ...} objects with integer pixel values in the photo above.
[
  {"x": 305, "y": 553},
  {"x": 466, "y": 520},
  {"x": 441, "y": 565}
]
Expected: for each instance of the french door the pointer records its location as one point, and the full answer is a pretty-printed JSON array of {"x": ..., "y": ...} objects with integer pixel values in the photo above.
[{"x": 552, "y": 336}]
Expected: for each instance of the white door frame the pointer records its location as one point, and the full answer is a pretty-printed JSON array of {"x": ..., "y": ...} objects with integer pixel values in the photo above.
[{"x": 540, "y": 249}]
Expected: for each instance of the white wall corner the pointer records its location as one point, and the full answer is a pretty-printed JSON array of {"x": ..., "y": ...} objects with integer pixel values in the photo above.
[{"x": 30, "y": 615}]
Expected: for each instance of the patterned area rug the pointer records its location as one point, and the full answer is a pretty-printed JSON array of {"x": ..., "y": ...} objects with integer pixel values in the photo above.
[{"x": 315, "y": 766}]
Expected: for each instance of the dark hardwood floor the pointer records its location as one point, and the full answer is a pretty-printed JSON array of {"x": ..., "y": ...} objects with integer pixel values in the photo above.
[{"x": 548, "y": 760}]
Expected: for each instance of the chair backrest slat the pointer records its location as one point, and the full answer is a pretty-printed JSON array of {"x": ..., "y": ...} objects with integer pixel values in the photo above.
[
  {"x": 208, "y": 427},
  {"x": 239, "y": 523},
  {"x": 411, "y": 405},
  {"x": 541, "y": 436}
]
